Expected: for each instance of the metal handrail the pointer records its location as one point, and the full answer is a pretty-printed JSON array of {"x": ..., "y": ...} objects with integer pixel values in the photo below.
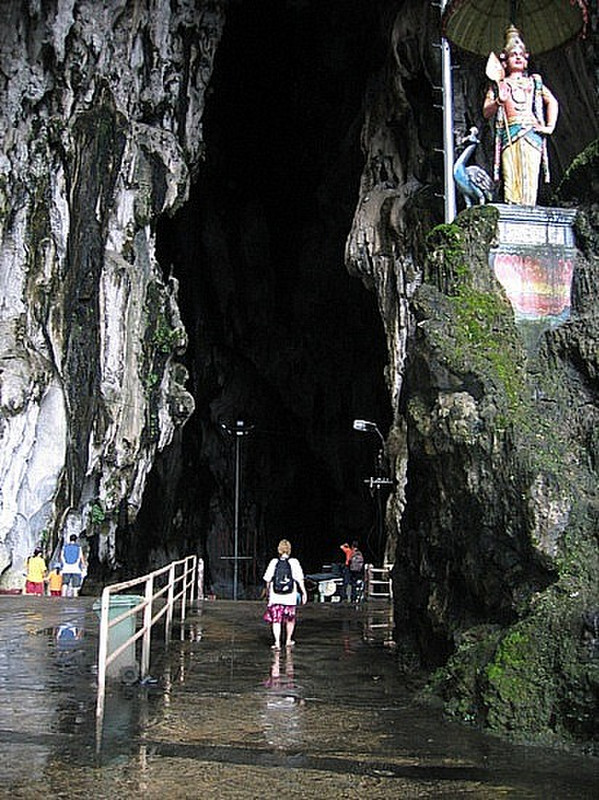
[{"x": 185, "y": 587}]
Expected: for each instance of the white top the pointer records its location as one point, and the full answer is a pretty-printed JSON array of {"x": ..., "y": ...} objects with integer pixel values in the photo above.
[{"x": 283, "y": 599}]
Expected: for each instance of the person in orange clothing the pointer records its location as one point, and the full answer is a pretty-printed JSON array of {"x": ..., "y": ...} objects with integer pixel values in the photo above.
[
  {"x": 348, "y": 552},
  {"x": 55, "y": 582},
  {"x": 353, "y": 570}
]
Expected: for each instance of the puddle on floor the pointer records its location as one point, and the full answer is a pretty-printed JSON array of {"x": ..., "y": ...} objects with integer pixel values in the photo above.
[{"x": 225, "y": 717}]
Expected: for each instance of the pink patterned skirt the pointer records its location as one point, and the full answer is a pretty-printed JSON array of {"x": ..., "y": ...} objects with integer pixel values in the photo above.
[{"x": 279, "y": 613}]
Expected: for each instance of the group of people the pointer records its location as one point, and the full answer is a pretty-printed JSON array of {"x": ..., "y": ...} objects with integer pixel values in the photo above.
[
  {"x": 286, "y": 588},
  {"x": 64, "y": 579}
]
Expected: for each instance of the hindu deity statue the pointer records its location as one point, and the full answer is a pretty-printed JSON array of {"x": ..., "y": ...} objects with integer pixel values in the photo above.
[{"x": 525, "y": 113}]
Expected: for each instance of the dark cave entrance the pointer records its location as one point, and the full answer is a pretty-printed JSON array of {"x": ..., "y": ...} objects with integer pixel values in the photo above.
[{"x": 280, "y": 336}]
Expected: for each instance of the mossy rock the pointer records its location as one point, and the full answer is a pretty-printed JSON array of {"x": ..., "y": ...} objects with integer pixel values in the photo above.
[
  {"x": 530, "y": 675},
  {"x": 536, "y": 681}
]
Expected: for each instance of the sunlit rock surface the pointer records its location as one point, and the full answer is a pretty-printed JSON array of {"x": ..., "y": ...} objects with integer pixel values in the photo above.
[{"x": 101, "y": 109}]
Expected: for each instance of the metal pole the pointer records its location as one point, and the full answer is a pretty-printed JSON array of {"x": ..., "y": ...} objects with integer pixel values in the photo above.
[
  {"x": 238, "y": 430},
  {"x": 238, "y": 436},
  {"x": 378, "y": 480},
  {"x": 379, "y": 506},
  {"x": 183, "y": 597},
  {"x": 170, "y": 604},
  {"x": 450, "y": 200},
  {"x": 190, "y": 566},
  {"x": 200, "y": 579},
  {"x": 102, "y": 656}
]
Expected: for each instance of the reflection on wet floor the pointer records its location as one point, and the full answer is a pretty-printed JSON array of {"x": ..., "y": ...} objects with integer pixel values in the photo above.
[
  {"x": 280, "y": 719},
  {"x": 224, "y": 717}
]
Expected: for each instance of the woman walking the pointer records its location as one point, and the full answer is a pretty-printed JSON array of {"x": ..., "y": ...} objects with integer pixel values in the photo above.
[
  {"x": 36, "y": 573},
  {"x": 284, "y": 579}
]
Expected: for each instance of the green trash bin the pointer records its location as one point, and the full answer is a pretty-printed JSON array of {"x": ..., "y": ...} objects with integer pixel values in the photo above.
[{"x": 124, "y": 667}]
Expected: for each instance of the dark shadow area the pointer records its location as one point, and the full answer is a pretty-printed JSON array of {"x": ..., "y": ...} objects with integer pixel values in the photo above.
[{"x": 280, "y": 336}]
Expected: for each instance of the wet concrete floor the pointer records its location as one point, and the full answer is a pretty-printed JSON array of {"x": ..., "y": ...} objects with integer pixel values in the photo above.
[{"x": 225, "y": 717}]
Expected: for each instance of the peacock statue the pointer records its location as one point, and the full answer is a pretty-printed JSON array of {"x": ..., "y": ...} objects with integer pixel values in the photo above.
[{"x": 472, "y": 181}]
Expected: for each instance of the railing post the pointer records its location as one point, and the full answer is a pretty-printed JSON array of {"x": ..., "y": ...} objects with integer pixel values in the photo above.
[
  {"x": 147, "y": 623},
  {"x": 190, "y": 569},
  {"x": 196, "y": 586},
  {"x": 102, "y": 656},
  {"x": 200, "y": 579},
  {"x": 192, "y": 581},
  {"x": 184, "y": 584},
  {"x": 170, "y": 603}
]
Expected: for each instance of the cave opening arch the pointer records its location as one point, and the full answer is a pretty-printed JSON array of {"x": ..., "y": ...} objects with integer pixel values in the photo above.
[{"x": 280, "y": 335}]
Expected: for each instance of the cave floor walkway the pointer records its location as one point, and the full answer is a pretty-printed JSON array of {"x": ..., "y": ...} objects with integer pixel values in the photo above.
[{"x": 225, "y": 717}]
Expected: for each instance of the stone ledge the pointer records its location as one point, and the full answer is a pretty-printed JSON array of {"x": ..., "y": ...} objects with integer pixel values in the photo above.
[{"x": 535, "y": 226}]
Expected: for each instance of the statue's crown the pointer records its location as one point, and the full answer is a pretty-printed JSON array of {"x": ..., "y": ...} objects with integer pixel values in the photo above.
[{"x": 513, "y": 39}]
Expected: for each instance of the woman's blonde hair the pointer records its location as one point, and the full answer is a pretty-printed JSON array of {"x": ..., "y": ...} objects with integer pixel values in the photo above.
[{"x": 284, "y": 548}]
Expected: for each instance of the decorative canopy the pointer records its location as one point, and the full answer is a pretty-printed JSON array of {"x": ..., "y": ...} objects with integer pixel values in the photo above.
[{"x": 479, "y": 25}]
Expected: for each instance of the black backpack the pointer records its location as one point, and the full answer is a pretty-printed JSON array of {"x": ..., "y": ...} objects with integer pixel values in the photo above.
[{"x": 283, "y": 579}]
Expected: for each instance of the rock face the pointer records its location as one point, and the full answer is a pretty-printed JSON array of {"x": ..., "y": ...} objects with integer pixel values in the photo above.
[
  {"x": 101, "y": 120},
  {"x": 494, "y": 446},
  {"x": 502, "y": 448}
]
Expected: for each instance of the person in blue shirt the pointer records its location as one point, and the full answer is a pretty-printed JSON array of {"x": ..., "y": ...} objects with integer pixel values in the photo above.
[{"x": 73, "y": 567}]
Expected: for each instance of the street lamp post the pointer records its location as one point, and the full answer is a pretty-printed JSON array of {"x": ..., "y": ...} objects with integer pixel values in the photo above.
[
  {"x": 238, "y": 430},
  {"x": 379, "y": 481}
]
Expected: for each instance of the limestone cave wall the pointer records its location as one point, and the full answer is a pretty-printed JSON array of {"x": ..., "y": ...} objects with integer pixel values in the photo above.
[{"x": 101, "y": 132}]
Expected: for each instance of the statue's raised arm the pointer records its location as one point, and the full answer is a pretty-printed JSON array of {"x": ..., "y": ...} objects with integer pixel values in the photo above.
[{"x": 525, "y": 113}]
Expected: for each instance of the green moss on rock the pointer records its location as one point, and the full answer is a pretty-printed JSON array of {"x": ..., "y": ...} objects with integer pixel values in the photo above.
[
  {"x": 532, "y": 676},
  {"x": 469, "y": 319},
  {"x": 536, "y": 680}
]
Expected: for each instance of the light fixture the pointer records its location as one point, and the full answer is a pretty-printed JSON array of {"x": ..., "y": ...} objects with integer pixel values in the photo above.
[
  {"x": 366, "y": 426},
  {"x": 379, "y": 480}
]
